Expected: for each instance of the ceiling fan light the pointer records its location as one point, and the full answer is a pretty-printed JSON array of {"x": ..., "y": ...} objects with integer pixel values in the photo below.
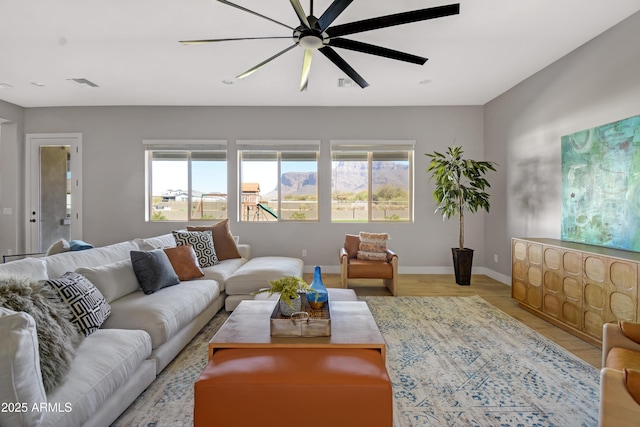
[{"x": 311, "y": 42}]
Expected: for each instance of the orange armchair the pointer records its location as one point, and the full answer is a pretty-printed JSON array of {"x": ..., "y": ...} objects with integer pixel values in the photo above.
[
  {"x": 620, "y": 375},
  {"x": 353, "y": 268}
]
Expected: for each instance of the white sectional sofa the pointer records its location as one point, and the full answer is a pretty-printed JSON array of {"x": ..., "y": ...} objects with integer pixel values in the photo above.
[{"x": 140, "y": 337}]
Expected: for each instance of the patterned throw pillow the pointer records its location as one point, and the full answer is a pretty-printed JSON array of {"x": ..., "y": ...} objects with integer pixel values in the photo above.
[
  {"x": 202, "y": 242},
  {"x": 373, "y": 246},
  {"x": 371, "y": 256},
  {"x": 88, "y": 307}
]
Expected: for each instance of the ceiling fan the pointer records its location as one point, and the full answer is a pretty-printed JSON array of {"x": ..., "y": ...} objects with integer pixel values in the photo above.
[{"x": 317, "y": 34}]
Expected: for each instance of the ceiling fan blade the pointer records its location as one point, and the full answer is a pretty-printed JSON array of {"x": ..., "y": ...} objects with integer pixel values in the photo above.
[
  {"x": 342, "y": 64},
  {"x": 254, "y": 13},
  {"x": 300, "y": 12},
  {"x": 392, "y": 20},
  {"x": 257, "y": 67},
  {"x": 229, "y": 40},
  {"x": 376, "y": 50},
  {"x": 306, "y": 68},
  {"x": 332, "y": 12}
]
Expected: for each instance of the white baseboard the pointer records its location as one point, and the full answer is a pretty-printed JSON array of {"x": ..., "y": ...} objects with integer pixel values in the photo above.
[
  {"x": 335, "y": 269},
  {"x": 502, "y": 278}
]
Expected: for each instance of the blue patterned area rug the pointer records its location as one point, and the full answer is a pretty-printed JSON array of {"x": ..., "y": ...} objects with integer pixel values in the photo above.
[
  {"x": 453, "y": 361},
  {"x": 459, "y": 361}
]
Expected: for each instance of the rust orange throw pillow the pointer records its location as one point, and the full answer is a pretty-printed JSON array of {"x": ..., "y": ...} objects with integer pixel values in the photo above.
[
  {"x": 185, "y": 262},
  {"x": 223, "y": 241}
]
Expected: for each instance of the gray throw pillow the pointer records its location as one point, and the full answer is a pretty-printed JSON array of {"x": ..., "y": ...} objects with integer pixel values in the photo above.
[{"x": 153, "y": 270}]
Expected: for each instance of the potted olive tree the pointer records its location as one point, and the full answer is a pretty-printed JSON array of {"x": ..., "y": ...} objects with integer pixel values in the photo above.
[{"x": 460, "y": 186}]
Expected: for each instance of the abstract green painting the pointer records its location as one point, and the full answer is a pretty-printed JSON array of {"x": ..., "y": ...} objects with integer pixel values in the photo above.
[{"x": 601, "y": 185}]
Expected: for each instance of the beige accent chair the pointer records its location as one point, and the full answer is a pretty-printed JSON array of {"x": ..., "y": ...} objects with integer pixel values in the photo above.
[
  {"x": 353, "y": 268},
  {"x": 620, "y": 375}
]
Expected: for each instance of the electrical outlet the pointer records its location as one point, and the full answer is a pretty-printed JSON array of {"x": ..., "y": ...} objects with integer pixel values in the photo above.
[
  {"x": 495, "y": 258},
  {"x": 304, "y": 252},
  {"x": 9, "y": 251}
]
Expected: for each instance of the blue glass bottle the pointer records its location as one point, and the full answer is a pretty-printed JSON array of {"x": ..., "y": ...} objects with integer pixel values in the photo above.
[{"x": 318, "y": 296}]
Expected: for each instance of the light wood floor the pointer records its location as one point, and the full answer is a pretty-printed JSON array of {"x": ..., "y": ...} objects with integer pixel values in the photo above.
[{"x": 492, "y": 291}]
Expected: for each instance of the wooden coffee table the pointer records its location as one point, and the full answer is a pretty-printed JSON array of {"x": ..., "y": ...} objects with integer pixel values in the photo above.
[{"x": 352, "y": 326}]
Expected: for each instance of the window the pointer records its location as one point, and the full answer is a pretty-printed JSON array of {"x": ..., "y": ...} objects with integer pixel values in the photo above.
[
  {"x": 186, "y": 180},
  {"x": 278, "y": 180},
  {"x": 371, "y": 181}
]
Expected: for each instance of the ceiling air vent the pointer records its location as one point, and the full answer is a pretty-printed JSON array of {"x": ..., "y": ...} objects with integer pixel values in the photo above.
[
  {"x": 346, "y": 83},
  {"x": 83, "y": 82}
]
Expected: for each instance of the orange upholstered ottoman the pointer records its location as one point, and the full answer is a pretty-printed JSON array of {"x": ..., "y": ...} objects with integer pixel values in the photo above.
[{"x": 294, "y": 386}]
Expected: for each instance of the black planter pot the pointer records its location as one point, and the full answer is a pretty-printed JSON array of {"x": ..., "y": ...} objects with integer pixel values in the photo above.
[{"x": 462, "y": 263}]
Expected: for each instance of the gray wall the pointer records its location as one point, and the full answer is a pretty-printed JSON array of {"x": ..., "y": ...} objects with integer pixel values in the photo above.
[
  {"x": 11, "y": 178},
  {"x": 113, "y": 165},
  {"x": 596, "y": 84}
]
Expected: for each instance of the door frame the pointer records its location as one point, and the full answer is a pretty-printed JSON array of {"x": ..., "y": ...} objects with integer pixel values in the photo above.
[{"x": 32, "y": 185}]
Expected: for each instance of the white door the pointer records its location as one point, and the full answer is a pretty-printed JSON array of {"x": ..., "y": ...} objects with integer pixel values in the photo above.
[{"x": 54, "y": 189}]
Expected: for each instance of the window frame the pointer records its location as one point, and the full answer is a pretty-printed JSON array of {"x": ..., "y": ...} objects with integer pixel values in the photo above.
[
  {"x": 371, "y": 148},
  {"x": 187, "y": 146},
  {"x": 278, "y": 147}
]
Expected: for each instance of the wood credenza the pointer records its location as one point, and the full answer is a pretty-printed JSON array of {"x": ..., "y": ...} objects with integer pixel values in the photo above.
[{"x": 576, "y": 287}]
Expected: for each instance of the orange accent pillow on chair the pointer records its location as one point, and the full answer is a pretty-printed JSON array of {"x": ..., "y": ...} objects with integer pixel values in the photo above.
[{"x": 351, "y": 244}]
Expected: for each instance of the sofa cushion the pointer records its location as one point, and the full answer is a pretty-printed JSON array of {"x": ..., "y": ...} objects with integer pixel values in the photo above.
[
  {"x": 165, "y": 312},
  {"x": 185, "y": 262},
  {"x": 620, "y": 358},
  {"x": 202, "y": 242},
  {"x": 630, "y": 330},
  {"x": 20, "y": 379},
  {"x": 223, "y": 241},
  {"x": 103, "y": 363},
  {"x": 29, "y": 268},
  {"x": 88, "y": 307},
  {"x": 223, "y": 270},
  {"x": 257, "y": 272},
  {"x": 632, "y": 383},
  {"x": 59, "y": 264},
  {"x": 113, "y": 280},
  {"x": 365, "y": 269},
  {"x": 157, "y": 242}
]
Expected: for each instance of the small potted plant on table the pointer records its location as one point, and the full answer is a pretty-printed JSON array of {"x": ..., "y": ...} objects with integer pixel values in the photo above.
[{"x": 289, "y": 288}]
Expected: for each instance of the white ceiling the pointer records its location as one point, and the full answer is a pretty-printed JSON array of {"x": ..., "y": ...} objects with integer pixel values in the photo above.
[{"x": 130, "y": 49}]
